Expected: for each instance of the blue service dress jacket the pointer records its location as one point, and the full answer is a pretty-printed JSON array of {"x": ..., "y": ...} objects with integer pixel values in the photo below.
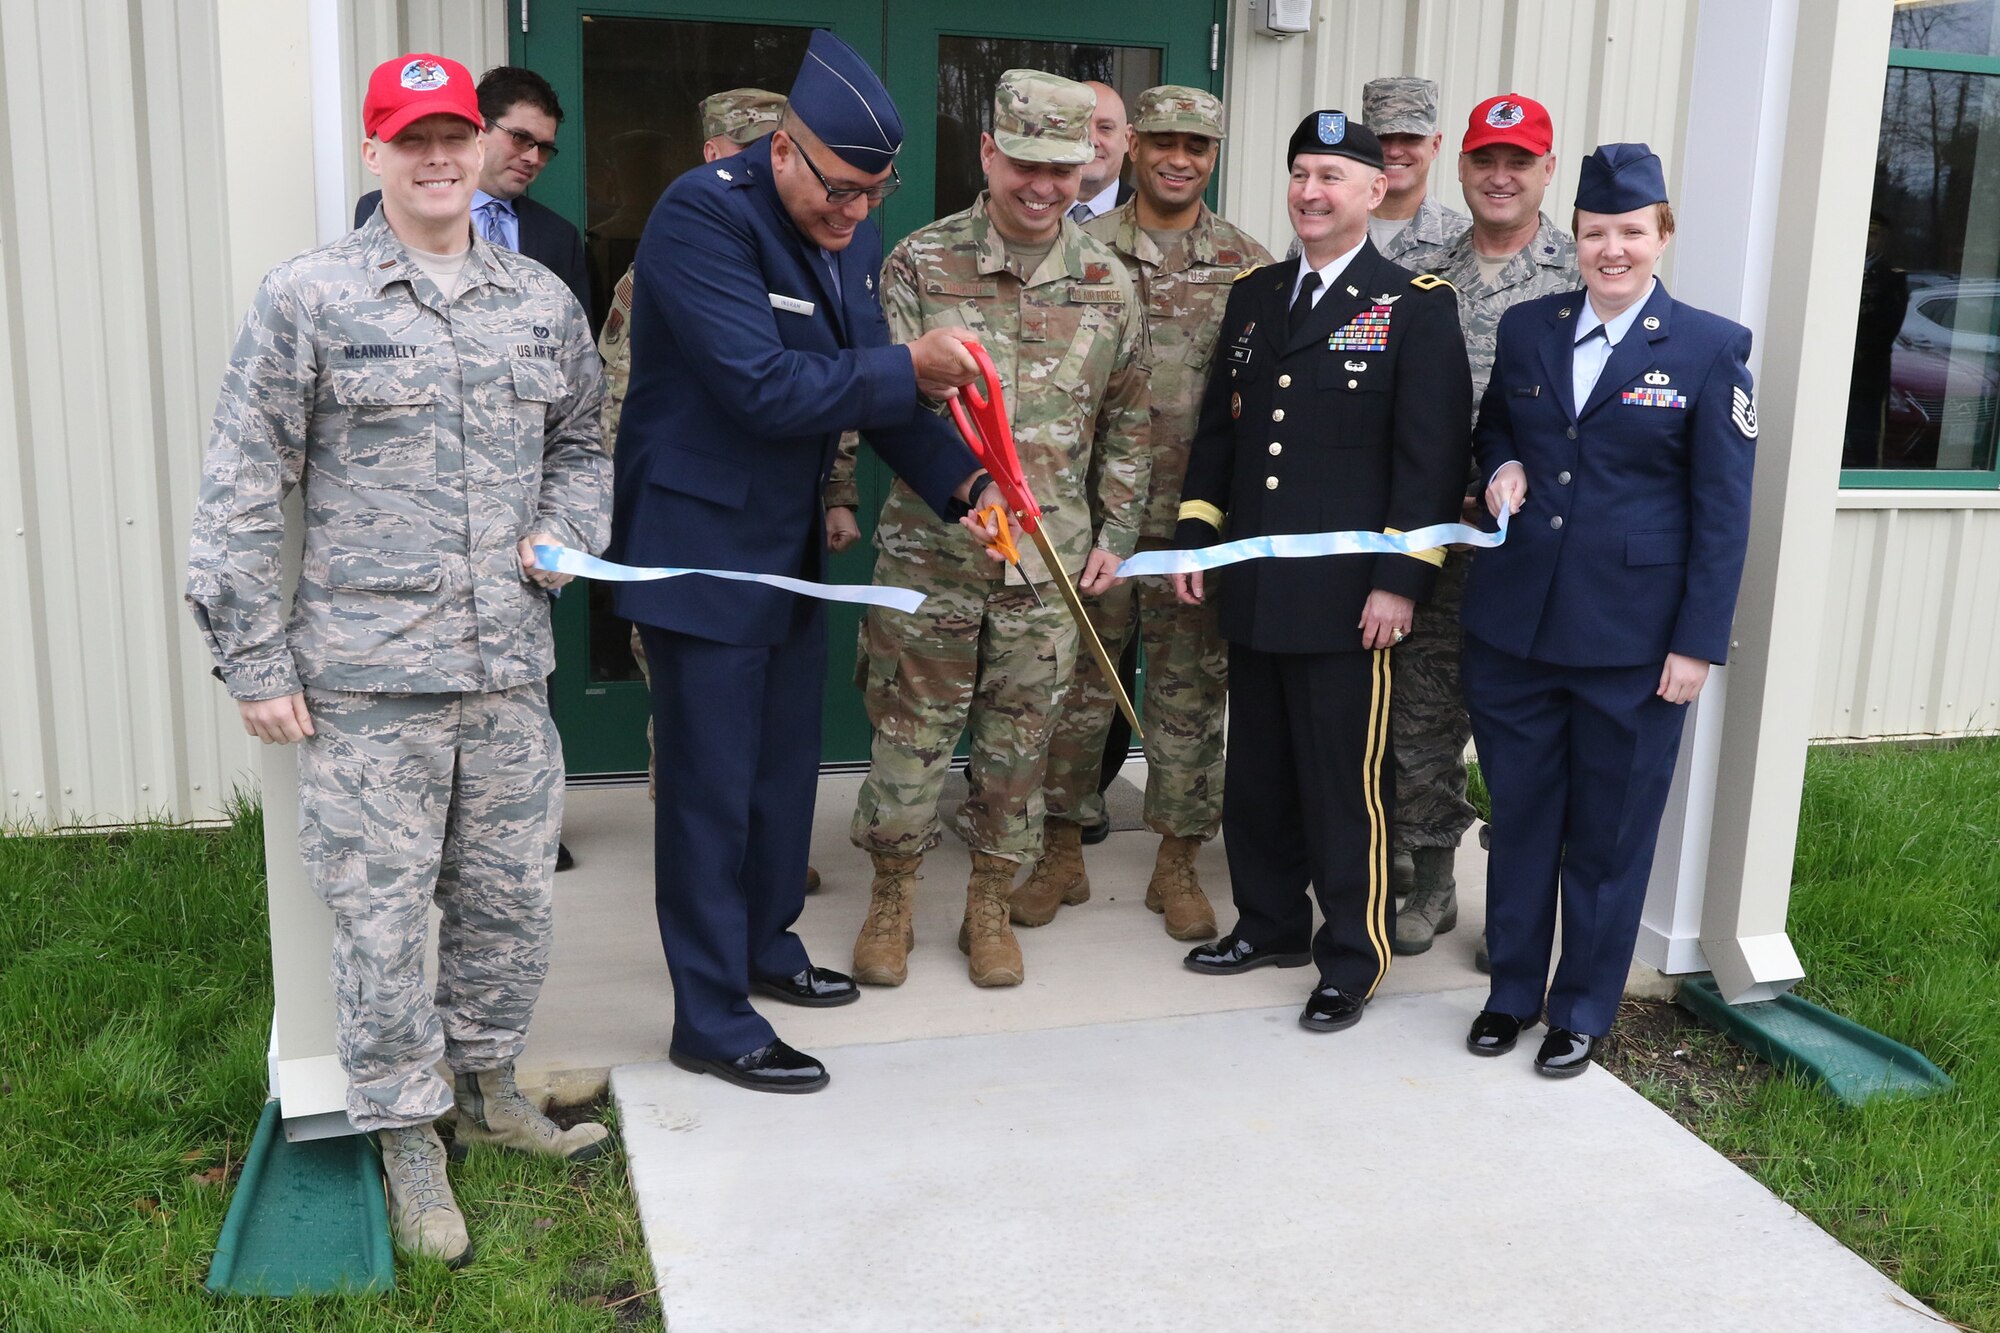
[
  {"x": 1631, "y": 542},
  {"x": 749, "y": 357}
]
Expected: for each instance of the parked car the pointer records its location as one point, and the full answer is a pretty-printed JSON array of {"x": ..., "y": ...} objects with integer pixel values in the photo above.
[{"x": 1944, "y": 377}]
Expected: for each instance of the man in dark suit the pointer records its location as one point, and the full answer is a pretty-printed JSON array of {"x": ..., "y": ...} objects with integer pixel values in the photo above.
[
  {"x": 1338, "y": 402},
  {"x": 522, "y": 114},
  {"x": 1103, "y": 187},
  {"x": 757, "y": 337}
]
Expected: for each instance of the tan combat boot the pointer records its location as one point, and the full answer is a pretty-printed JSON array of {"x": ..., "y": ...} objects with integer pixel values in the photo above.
[
  {"x": 1058, "y": 876},
  {"x": 492, "y": 1110},
  {"x": 986, "y": 939},
  {"x": 1175, "y": 890},
  {"x": 882, "y": 949},
  {"x": 423, "y": 1215},
  {"x": 1432, "y": 907}
]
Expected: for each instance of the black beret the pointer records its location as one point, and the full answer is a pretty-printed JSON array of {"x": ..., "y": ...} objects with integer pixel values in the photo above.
[{"x": 1332, "y": 132}]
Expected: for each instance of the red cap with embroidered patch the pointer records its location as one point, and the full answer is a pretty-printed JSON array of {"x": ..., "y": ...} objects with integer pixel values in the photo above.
[
  {"x": 1512, "y": 119},
  {"x": 413, "y": 86}
]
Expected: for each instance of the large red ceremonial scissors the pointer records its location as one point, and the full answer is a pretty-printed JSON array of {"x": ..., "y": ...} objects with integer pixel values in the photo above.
[{"x": 982, "y": 420}]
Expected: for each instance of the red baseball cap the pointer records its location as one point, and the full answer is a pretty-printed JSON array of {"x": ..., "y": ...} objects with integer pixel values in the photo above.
[
  {"x": 413, "y": 86},
  {"x": 1512, "y": 119}
]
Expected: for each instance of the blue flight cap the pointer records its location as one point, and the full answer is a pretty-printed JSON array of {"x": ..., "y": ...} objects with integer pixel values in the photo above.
[
  {"x": 1619, "y": 178},
  {"x": 839, "y": 99}
]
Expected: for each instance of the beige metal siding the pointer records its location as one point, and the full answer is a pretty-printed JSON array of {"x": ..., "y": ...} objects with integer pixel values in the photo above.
[
  {"x": 1608, "y": 70},
  {"x": 113, "y": 300},
  {"x": 140, "y": 197},
  {"x": 472, "y": 32},
  {"x": 1912, "y": 641}
]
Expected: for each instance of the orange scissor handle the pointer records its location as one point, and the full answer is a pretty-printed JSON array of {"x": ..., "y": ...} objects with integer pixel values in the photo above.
[
  {"x": 1004, "y": 543},
  {"x": 984, "y": 426}
]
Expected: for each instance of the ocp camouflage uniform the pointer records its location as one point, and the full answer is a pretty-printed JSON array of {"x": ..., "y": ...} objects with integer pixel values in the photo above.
[
  {"x": 429, "y": 437},
  {"x": 614, "y": 345},
  {"x": 1187, "y": 663},
  {"x": 1427, "y": 714},
  {"x": 980, "y": 653}
]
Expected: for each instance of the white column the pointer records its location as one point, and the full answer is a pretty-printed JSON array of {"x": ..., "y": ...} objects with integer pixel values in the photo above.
[
  {"x": 1782, "y": 115},
  {"x": 287, "y": 189}
]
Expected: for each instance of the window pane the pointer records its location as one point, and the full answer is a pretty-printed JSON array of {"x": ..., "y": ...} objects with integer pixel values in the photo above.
[
  {"x": 643, "y": 81},
  {"x": 969, "y": 68},
  {"x": 1960, "y": 27},
  {"x": 1927, "y": 349}
]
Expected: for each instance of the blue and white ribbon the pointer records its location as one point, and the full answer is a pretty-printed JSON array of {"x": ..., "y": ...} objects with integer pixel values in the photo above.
[
  {"x": 1293, "y": 545},
  {"x": 563, "y": 560}
]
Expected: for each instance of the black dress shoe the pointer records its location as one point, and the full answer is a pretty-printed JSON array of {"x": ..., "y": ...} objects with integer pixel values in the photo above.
[
  {"x": 775, "y": 1067},
  {"x": 564, "y": 861},
  {"x": 1565, "y": 1054},
  {"x": 1494, "y": 1033},
  {"x": 816, "y": 988},
  {"x": 1329, "y": 1009},
  {"x": 1095, "y": 833},
  {"x": 1232, "y": 954}
]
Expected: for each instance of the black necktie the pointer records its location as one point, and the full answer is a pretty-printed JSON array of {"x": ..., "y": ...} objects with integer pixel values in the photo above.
[{"x": 1302, "y": 304}]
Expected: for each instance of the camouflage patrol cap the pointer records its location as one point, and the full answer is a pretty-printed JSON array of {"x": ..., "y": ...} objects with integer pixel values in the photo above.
[
  {"x": 745, "y": 115},
  {"x": 1040, "y": 117},
  {"x": 1174, "y": 109},
  {"x": 1401, "y": 105}
]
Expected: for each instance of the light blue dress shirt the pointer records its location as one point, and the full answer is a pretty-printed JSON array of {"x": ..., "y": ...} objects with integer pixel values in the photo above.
[
  {"x": 1588, "y": 359},
  {"x": 495, "y": 220}
]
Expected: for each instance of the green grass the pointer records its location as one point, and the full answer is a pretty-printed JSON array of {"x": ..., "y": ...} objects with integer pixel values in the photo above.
[
  {"x": 1896, "y": 915},
  {"x": 135, "y": 1004}
]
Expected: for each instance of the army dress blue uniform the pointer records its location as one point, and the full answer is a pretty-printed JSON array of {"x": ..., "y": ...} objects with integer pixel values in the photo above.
[
  {"x": 752, "y": 350},
  {"x": 1629, "y": 546},
  {"x": 1355, "y": 420}
]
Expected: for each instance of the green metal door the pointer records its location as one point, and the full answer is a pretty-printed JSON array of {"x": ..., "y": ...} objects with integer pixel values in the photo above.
[{"x": 630, "y": 72}]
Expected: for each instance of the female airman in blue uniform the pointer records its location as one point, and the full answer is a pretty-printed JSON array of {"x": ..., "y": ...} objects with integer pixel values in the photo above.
[{"x": 1619, "y": 431}]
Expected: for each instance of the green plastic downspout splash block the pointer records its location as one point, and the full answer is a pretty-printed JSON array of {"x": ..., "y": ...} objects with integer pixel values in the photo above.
[
  {"x": 306, "y": 1219},
  {"x": 1854, "y": 1064}
]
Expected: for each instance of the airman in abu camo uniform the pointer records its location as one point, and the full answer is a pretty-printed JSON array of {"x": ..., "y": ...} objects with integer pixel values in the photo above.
[
  {"x": 436, "y": 400},
  {"x": 1511, "y": 253}
]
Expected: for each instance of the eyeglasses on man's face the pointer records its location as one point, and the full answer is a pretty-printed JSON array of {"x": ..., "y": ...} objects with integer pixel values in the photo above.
[
  {"x": 875, "y": 193},
  {"x": 523, "y": 140}
]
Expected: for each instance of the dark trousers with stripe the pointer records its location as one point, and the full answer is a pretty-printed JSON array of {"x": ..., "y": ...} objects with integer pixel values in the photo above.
[
  {"x": 1579, "y": 761},
  {"x": 1307, "y": 797},
  {"x": 738, "y": 736}
]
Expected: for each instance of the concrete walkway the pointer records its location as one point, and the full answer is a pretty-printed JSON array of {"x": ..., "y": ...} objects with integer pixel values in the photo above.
[
  {"x": 1121, "y": 1144},
  {"x": 608, "y": 1003}
]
